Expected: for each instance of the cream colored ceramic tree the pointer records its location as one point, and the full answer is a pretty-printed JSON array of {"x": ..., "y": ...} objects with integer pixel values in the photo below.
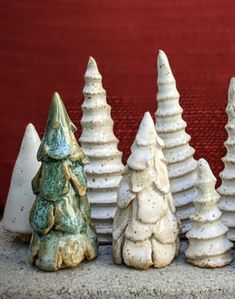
[
  {"x": 145, "y": 228},
  {"x": 209, "y": 246},
  {"x": 20, "y": 196},
  {"x": 100, "y": 145},
  {"x": 227, "y": 188},
  {"x": 179, "y": 154}
]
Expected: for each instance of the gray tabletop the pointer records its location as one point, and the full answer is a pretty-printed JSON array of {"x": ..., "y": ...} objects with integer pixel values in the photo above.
[{"x": 101, "y": 278}]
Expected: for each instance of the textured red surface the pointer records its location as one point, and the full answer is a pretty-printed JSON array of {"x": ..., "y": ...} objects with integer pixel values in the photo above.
[{"x": 44, "y": 46}]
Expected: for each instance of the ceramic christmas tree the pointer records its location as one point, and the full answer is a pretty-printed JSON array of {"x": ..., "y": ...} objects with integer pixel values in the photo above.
[
  {"x": 145, "y": 228},
  {"x": 20, "y": 196},
  {"x": 209, "y": 246},
  {"x": 227, "y": 188},
  {"x": 179, "y": 154},
  {"x": 60, "y": 217},
  {"x": 100, "y": 145}
]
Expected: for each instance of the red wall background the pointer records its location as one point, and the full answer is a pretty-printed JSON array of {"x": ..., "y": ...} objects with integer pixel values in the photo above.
[{"x": 45, "y": 45}]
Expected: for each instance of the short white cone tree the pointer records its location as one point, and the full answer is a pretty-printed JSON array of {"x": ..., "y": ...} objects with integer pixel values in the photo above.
[
  {"x": 101, "y": 146},
  {"x": 227, "y": 188},
  {"x": 145, "y": 229},
  {"x": 20, "y": 196},
  {"x": 209, "y": 246},
  {"x": 179, "y": 154}
]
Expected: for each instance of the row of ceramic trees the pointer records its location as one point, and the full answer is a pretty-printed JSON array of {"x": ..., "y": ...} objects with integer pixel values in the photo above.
[{"x": 160, "y": 174}]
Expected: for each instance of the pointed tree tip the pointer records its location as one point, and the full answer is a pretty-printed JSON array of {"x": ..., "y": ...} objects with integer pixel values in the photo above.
[
  {"x": 57, "y": 106},
  {"x": 162, "y": 55},
  {"x": 204, "y": 170},
  {"x": 56, "y": 95},
  {"x": 146, "y": 127},
  {"x": 164, "y": 68},
  {"x": 31, "y": 132},
  {"x": 163, "y": 62},
  {"x": 202, "y": 162},
  {"x": 91, "y": 58},
  {"x": 91, "y": 62},
  {"x": 29, "y": 126},
  {"x": 232, "y": 86},
  {"x": 160, "y": 52},
  {"x": 147, "y": 114},
  {"x": 92, "y": 70},
  {"x": 148, "y": 118},
  {"x": 56, "y": 99},
  {"x": 203, "y": 165}
]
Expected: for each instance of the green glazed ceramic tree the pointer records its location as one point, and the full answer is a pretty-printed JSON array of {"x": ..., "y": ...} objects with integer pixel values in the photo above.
[{"x": 60, "y": 217}]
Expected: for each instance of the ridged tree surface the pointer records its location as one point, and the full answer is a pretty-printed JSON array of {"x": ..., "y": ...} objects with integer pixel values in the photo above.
[
  {"x": 209, "y": 246},
  {"x": 227, "y": 188},
  {"x": 101, "y": 146},
  {"x": 145, "y": 230},
  {"x": 171, "y": 127}
]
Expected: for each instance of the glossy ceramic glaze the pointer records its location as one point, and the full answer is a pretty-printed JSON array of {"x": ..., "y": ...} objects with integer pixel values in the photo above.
[
  {"x": 145, "y": 229},
  {"x": 60, "y": 217}
]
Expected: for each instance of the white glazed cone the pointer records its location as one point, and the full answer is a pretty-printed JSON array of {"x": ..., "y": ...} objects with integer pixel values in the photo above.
[
  {"x": 227, "y": 188},
  {"x": 145, "y": 229},
  {"x": 209, "y": 246},
  {"x": 20, "y": 196},
  {"x": 101, "y": 146},
  {"x": 171, "y": 127}
]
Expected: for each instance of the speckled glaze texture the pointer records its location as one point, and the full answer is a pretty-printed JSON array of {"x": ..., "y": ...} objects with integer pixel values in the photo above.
[
  {"x": 20, "y": 196},
  {"x": 179, "y": 154},
  {"x": 100, "y": 145},
  {"x": 60, "y": 217},
  {"x": 145, "y": 229},
  {"x": 227, "y": 188},
  {"x": 209, "y": 246}
]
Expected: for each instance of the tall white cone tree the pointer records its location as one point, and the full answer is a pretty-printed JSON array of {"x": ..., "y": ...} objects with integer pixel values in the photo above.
[
  {"x": 209, "y": 246},
  {"x": 101, "y": 146},
  {"x": 179, "y": 154},
  {"x": 20, "y": 196},
  {"x": 227, "y": 188},
  {"x": 145, "y": 229}
]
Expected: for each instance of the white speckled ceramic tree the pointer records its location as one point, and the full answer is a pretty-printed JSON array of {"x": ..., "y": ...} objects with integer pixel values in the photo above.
[
  {"x": 171, "y": 127},
  {"x": 101, "y": 146},
  {"x": 20, "y": 196},
  {"x": 209, "y": 246},
  {"x": 145, "y": 229},
  {"x": 227, "y": 188}
]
